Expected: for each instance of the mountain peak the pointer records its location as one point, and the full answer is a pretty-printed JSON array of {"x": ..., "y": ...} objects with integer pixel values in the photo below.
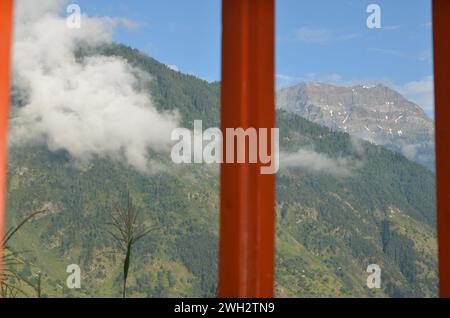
[{"x": 376, "y": 113}]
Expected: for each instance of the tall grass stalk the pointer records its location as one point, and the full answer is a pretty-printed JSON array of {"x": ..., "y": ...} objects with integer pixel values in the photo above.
[
  {"x": 127, "y": 232},
  {"x": 13, "y": 259}
]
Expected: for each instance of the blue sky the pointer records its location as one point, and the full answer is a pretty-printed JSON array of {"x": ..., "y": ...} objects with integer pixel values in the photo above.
[
  {"x": 183, "y": 33},
  {"x": 320, "y": 40}
]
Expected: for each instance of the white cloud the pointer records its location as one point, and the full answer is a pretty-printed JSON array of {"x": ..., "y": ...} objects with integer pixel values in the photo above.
[
  {"x": 283, "y": 81},
  {"x": 321, "y": 36},
  {"x": 332, "y": 78},
  {"x": 390, "y": 52},
  {"x": 312, "y": 161},
  {"x": 392, "y": 27},
  {"x": 426, "y": 56},
  {"x": 428, "y": 25},
  {"x": 288, "y": 80},
  {"x": 420, "y": 92},
  {"x": 128, "y": 24},
  {"x": 88, "y": 108},
  {"x": 173, "y": 67},
  {"x": 410, "y": 151}
]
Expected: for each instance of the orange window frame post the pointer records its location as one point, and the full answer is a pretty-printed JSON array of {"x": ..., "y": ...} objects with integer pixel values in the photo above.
[
  {"x": 441, "y": 45},
  {"x": 247, "y": 198},
  {"x": 6, "y": 23}
]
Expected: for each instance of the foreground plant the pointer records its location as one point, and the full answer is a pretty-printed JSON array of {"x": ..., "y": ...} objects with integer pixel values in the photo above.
[
  {"x": 127, "y": 232},
  {"x": 11, "y": 260}
]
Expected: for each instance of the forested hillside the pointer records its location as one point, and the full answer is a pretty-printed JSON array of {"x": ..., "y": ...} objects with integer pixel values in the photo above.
[{"x": 380, "y": 209}]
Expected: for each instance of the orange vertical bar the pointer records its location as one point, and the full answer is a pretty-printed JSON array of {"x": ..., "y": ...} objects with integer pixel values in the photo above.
[
  {"x": 246, "y": 257},
  {"x": 441, "y": 39},
  {"x": 6, "y": 10}
]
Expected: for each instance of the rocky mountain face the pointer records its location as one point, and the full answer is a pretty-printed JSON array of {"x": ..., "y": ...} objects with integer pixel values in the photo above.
[{"x": 374, "y": 113}]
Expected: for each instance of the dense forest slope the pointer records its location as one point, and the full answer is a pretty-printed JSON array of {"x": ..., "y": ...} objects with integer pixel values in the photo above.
[{"x": 366, "y": 206}]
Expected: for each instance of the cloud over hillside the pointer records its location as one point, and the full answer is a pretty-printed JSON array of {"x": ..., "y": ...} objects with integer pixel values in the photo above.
[{"x": 88, "y": 107}]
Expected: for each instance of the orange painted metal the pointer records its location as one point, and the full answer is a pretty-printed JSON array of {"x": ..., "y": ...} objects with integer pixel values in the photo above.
[
  {"x": 6, "y": 19},
  {"x": 441, "y": 39},
  {"x": 246, "y": 257}
]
